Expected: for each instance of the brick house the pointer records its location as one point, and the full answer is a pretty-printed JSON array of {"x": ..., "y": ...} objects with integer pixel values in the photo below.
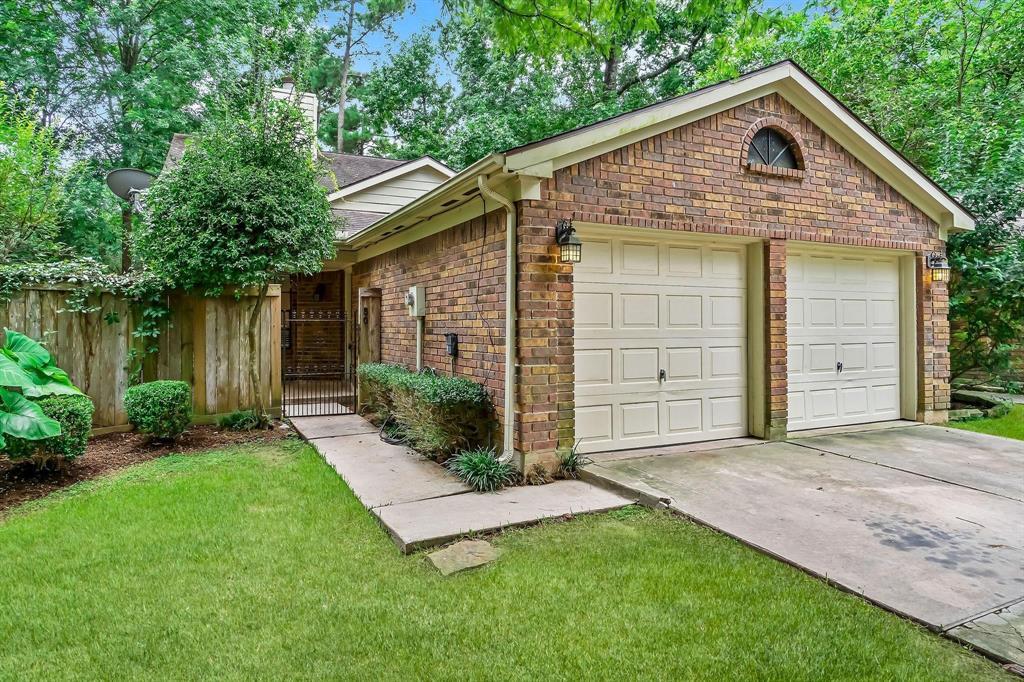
[{"x": 755, "y": 261}]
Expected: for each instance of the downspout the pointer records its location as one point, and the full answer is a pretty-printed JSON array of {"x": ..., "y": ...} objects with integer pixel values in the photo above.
[{"x": 508, "y": 449}]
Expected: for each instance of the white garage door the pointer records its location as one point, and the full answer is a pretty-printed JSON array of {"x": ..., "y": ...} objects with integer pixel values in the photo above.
[
  {"x": 844, "y": 338},
  {"x": 659, "y": 341}
]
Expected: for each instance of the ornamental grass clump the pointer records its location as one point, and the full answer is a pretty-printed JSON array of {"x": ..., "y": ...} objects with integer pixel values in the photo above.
[
  {"x": 482, "y": 469},
  {"x": 162, "y": 409}
]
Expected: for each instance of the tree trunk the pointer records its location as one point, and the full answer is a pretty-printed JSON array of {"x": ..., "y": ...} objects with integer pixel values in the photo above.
[
  {"x": 346, "y": 65},
  {"x": 254, "y": 374},
  {"x": 126, "y": 238}
]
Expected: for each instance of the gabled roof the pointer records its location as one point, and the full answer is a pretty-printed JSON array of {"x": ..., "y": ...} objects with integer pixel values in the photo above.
[
  {"x": 542, "y": 158},
  {"x": 785, "y": 78},
  {"x": 350, "y": 168},
  {"x": 388, "y": 173}
]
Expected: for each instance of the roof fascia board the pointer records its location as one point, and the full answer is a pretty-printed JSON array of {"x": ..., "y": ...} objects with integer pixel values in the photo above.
[
  {"x": 822, "y": 108},
  {"x": 588, "y": 143},
  {"x": 425, "y": 207},
  {"x": 438, "y": 223},
  {"x": 790, "y": 82},
  {"x": 391, "y": 174},
  {"x": 514, "y": 187}
]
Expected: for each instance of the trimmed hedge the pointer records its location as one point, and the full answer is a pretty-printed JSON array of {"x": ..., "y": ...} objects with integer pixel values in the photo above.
[
  {"x": 163, "y": 409},
  {"x": 74, "y": 413},
  {"x": 441, "y": 415}
]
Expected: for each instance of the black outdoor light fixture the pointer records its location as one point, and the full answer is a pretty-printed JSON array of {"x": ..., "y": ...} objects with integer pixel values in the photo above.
[
  {"x": 939, "y": 266},
  {"x": 570, "y": 248}
]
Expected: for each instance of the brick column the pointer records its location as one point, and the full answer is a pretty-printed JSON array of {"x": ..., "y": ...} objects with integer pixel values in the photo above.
[
  {"x": 932, "y": 345},
  {"x": 545, "y": 414},
  {"x": 776, "y": 338}
]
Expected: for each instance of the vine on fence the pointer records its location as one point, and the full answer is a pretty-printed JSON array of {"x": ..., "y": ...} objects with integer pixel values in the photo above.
[{"x": 141, "y": 288}]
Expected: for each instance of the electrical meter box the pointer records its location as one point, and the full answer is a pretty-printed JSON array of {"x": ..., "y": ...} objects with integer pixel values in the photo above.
[{"x": 416, "y": 300}]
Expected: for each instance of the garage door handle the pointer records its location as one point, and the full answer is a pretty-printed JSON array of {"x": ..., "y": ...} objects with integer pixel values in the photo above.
[
  {"x": 661, "y": 375},
  {"x": 839, "y": 367}
]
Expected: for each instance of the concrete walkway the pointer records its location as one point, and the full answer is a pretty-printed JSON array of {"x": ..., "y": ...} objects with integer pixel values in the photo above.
[
  {"x": 924, "y": 521},
  {"x": 421, "y": 504}
]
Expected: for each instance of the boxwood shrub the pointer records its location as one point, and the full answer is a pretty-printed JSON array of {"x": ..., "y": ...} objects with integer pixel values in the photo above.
[
  {"x": 74, "y": 413},
  {"x": 163, "y": 409},
  {"x": 375, "y": 381},
  {"x": 441, "y": 415}
]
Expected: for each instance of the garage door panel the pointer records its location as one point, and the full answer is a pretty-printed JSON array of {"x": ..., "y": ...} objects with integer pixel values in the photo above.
[
  {"x": 619, "y": 421},
  {"x": 675, "y": 305},
  {"x": 846, "y": 310}
]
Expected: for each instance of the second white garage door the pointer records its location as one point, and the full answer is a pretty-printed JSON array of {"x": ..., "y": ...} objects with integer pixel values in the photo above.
[
  {"x": 843, "y": 312},
  {"x": 659, "y": 341}
]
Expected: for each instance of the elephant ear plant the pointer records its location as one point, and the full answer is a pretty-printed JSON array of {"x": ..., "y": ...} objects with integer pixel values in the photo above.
[{"x": 27, "y": 371}]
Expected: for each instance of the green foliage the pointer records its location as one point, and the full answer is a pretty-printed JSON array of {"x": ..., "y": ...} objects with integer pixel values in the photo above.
[
  {"x": 26, "y": 369},
  {"x": 375, "y": 382},
  {"x": 242, "y": 420},
  {"x": 162, "y": 409},
  {"x": 438, "y": 414},
  {"x": 570, "y": 463},
  {"x": 74, "y": 414},
  {"x": 32, "y": 180},
  {"x": 243, "y": 207},
  {"x": 35, "y": 362},
  {"x": 943, "y": 82},
  {"x": 482, "y": 469}
]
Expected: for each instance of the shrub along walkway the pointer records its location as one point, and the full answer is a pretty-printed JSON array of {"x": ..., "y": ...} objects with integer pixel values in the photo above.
[{"x": 420, "y": 503}]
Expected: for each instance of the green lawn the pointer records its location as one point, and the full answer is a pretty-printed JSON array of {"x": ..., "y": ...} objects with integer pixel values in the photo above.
[
  {"x": 258, "y": 562},
  {"x": 1009, "y": 426}
]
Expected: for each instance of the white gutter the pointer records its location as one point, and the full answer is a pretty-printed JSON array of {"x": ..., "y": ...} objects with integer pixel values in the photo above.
[{"x": 510, "y": 312}]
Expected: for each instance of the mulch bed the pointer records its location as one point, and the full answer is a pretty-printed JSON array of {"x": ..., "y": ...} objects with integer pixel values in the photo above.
[{"x": 20, "y": 483}]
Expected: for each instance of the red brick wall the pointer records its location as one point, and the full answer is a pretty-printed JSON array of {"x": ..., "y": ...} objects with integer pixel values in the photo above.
[
  {"x": 694, "y": 178},
  {"x": 463, "y": 270},
  {"x": 315, "y": 343}
]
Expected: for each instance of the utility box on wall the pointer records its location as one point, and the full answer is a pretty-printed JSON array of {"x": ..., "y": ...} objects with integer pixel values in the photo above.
[{"x": 416, "y": 300}]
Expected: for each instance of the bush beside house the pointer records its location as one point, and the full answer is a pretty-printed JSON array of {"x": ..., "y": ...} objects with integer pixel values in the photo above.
[{"x": 439, "y": 415}]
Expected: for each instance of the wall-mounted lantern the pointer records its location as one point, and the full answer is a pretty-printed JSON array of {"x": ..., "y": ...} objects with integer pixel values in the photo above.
[
  {"x": 939, "y": 266},
  {"x": 570, "y": 248}
]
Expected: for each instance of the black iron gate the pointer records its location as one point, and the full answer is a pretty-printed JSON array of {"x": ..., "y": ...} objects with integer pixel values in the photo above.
[{"x": 318, "y": 379}]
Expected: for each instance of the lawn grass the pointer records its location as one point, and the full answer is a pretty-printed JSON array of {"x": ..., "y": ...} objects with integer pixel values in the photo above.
[
  {"x": 258, "y": 562},
  {"x": 1008, "y": 426}
]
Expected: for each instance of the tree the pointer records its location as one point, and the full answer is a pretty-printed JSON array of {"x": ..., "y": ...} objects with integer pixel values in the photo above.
[
  {"x": 943, "y": 81},
  {"x": 242, "y": 209},
  {"x": 357, "y": 21},
  {"x": 32, "y": 181},
  {"x": 628, "y": 43},
  {"x": 122, "y": 77}
]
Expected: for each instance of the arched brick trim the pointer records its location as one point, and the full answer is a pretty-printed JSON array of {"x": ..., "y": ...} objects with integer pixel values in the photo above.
[{"x": 789, "y": 130}]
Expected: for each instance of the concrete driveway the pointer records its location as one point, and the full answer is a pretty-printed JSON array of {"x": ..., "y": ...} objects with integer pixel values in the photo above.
[{"x": 925, "y": 521}]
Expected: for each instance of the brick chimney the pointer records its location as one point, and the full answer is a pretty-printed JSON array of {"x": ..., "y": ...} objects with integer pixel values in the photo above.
[{"x": 305, "y": 101}]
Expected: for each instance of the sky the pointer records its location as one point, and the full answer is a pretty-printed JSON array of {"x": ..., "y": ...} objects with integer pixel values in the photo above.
[
  {"x": 426, "y": 13},
  {"x": 423, "y": 14}
]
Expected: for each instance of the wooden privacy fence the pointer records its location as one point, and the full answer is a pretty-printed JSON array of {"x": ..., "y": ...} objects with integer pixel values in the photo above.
[{"x": 204, "y": 342}]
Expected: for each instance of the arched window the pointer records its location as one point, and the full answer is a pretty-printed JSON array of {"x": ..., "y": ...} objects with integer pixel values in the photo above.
[{"x": 773, "y": 147}]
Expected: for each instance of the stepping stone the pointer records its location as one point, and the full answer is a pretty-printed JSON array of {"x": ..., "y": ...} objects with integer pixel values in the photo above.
[{"x": 463, "y": 555}]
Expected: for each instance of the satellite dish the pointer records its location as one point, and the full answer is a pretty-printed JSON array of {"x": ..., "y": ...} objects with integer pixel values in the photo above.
[{"x": 124, "y": 182}]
